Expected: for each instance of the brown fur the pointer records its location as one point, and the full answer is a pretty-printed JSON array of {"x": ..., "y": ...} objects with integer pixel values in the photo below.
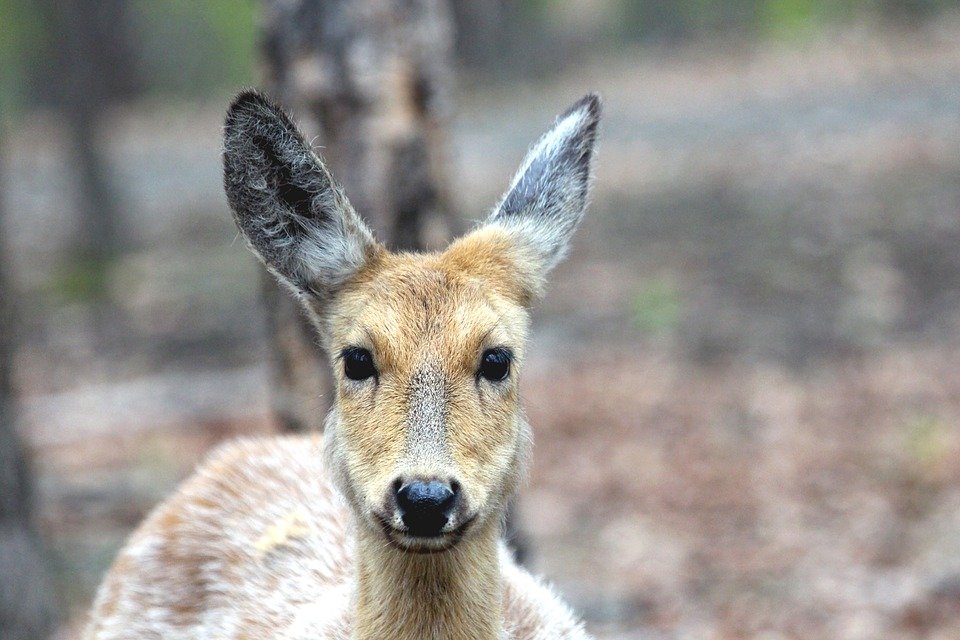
[
  {"x": 430, "y": 312},
  {"x": 259, "y": 543},
  {"x": 198, "y": 567}
]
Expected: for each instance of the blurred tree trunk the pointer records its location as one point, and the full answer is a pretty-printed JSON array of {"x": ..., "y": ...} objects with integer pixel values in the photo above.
[
  {"x": 373, "y": 81},
  {"x": 94, "y": 67},
  {"x": 27, "y": 609}
]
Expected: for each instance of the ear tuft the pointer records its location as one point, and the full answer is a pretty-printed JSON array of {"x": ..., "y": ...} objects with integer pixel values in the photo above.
[
  {"x": 250, "y": 102},
  {"x": 549, "y": 193},
  {"x": 290, "y": 210}
]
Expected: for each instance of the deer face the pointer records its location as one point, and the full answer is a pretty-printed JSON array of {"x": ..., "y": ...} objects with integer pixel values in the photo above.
[
  {"x": 426, "y": 439},
  {"x": 426, "y": 435}
]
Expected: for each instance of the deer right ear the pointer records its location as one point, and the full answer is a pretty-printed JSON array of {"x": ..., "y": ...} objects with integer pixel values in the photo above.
[
  {"x": 292, "y": 213},
  {"x": 547, "y": 197}
]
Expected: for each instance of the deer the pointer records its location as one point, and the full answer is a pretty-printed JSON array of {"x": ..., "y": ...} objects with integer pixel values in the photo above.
[{"x": 387, "y": 525}]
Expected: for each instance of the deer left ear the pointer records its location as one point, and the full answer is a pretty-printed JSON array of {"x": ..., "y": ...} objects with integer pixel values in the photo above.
[
  {"x": 291, "y": 211},
  {"x": 548, "y": 196}
]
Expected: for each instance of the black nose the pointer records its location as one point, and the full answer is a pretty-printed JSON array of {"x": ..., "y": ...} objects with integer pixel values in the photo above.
[{"x": 425, "y": 507}]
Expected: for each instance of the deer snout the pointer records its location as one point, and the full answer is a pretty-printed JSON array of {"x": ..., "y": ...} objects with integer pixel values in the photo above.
[{"x": 426, "y": 506}]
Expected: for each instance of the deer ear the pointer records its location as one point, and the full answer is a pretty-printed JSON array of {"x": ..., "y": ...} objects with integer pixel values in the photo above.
[
  {"x": 293, "y": 215},
  {"x": 548, "y": 195}
]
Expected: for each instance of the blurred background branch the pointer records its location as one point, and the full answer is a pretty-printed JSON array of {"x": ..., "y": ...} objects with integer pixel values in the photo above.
[{"x": 28, "y": 604}]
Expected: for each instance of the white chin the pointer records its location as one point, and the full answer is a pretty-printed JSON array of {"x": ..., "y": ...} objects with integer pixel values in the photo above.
[{"x": 415, "y": 544}]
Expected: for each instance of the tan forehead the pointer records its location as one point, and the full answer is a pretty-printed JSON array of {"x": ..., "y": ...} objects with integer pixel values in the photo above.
[
  {"x": 412, "y": 304},
  {"x": 420, "y": 300}
]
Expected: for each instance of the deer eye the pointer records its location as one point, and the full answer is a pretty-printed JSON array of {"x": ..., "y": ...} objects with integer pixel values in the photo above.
[
  {"x": 495, "y": 364},
  {"x": 358, "y": 363}
]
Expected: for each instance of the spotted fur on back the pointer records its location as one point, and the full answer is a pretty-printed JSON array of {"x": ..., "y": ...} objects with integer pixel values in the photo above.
[{"x": 258, "y": 544}]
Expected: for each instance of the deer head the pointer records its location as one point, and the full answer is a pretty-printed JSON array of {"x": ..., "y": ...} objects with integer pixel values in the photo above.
[{"x": 426, "y": 438}]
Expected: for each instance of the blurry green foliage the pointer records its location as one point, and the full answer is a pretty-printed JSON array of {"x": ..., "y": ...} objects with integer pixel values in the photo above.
[
  {"x": 785, "y": 17},
  {"x": 931, "y": 445},
  {"x": 765, "y": 18},
  {"x": 183, "y": 48},
  {"x": 81, "y": 280},
  {"x": 195, "y": 48},
  {"x": 656, "y": 307},
  {"x": 21, "y": 34},
  {"x": 192, "y": 49},
  {"x": 928, "y": 440}
]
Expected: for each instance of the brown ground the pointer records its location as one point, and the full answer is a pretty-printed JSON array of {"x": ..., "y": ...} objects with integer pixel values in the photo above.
[{"x": 733, "y": 502}]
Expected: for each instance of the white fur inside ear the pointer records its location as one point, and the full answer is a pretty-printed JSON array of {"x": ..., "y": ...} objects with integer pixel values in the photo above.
[
  {"x": 548, "y": 195},
  {"x": 547, "y": 242},
  {"x": 331, "y": 253},
  {"x": 331, "y": 259},
  {"x": 550, "y": 144}
]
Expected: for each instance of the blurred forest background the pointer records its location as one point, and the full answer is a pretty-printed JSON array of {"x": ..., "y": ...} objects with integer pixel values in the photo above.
[{"x": 744, "y": 383}]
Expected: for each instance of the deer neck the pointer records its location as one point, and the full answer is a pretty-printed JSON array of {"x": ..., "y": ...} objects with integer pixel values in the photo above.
[{"x": 452, "y": 595}]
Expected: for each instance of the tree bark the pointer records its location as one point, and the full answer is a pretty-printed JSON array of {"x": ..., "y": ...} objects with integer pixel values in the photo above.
[
  {"x": 372, "y": 81},
  {"x": 27, "y": 603}
]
